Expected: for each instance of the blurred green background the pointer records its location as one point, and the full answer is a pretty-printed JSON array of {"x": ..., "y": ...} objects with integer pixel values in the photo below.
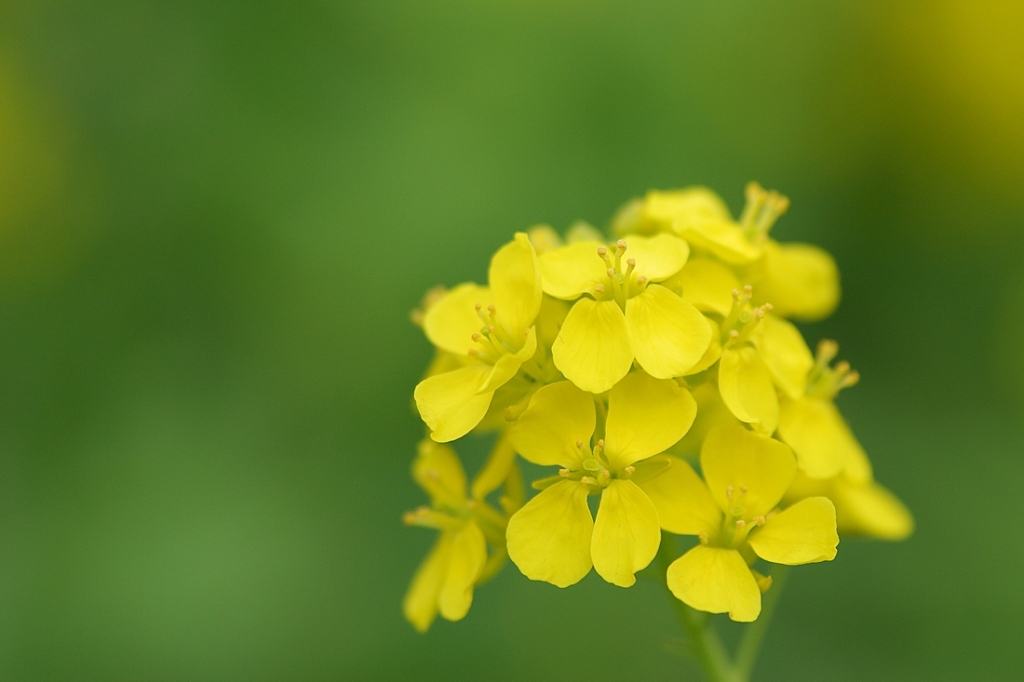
[{"x": 215, "y": 218}]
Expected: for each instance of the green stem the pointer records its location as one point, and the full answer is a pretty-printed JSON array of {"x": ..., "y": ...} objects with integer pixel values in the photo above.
[
  {"x": 746, "y": 655},
  {"x": 707, "y": 647}
]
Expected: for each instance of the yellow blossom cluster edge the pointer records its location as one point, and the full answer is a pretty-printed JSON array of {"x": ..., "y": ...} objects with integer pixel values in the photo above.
[{"x": 632, "y": 363}]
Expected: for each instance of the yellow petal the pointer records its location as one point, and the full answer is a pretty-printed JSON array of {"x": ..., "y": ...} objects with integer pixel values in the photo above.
[
  {"x": 514, "y": 491},
  {"x": 708, "y": 285},
  {"x": 438, "y": 470},
  {"x": 549, "y": 321},
  {"x": 558, "y": 417},
  {"x": 747, "y": 389},
  {"x": 495, "y": 562},
  {"x": 819, "y": 436},
  {"x": 872, "y": 510},
  {"x": 515, "y": 282},
  {"x": 711, "y": 412},
  {"x": 420, "y": 603},
  {"x": 572, "y": 270},
  {"x": 803, "y": 534},
  {"x": 799, "y": 280},
  {"x": 735, "y": 458},
  {"x": 764, "y": 582},
  {"x": 626, "y": 534},
  {"x": 650, "y": 468},
  {"x": 691, "y": 203},
  {"x": 451, "y": 322},
  {"x": 507, "y": 365},
  {"x": 714, "y": 352},
  {"x": 549, "y": 538},
  {"x": 858, "y": 466},
  {"x": 468, "y": 556},
  {"x": 723, "y": 239},
  {"x": 645, "y": 416},
  {"x": 658, "y": 257},
  {"x": 593, "y": 349},
  {"x": 717, "y": 581},
  {"x": 683, "y": 501},
  {"x": 786, "y": 354},
  {"x": 804, "y": 486},
  {"x": 446, "y": 362},
  {"x": 628, "y": 219},
  {"x": 514, "y": 395},
  {"x": 450, "y": 404},
  {"x": 495, "y": 470},
  {"x": 544, "y": 238},
  {"x": 669, "y": 335},
  {"x": 582, "y": 231}
]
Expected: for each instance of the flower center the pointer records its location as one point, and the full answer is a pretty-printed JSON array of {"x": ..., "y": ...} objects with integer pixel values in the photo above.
[
  {"x": 763, "y": 208},
  {"x": 493, "y": 341},
  {"x": 736, "y": 521},
  {"x": 453, "y": 511},
  {"x": 595, "y": 472},
  {"x": 622, "y": 285},
  {"x": 825, "y": 381},
  {"x": 743, "y": 319}
]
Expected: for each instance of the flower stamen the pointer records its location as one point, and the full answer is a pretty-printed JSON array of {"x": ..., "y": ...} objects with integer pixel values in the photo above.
[
  {"x": 827, "y": 381},
  {"x": 762, "y": 210}
]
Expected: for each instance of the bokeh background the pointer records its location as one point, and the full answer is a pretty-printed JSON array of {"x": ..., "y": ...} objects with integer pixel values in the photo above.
[{"x": 215, "y": 218}]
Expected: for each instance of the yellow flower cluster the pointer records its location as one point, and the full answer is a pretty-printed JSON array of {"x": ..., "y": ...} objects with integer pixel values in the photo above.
[{"x": 631, "y": 363}]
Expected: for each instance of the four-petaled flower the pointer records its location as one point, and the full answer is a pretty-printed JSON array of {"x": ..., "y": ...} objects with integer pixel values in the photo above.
[
  {"x": 810, "y": 423},
  {"x": 622, "y": 314},
  {"x": 459, "y": 559},
  {"x": 800, "y": 280},
  {"x": 492, "y": 329},
  {"x": 554, "y": 537},
  {"x": 761, "y": 355},
  {"x": 733, "y": 511}
]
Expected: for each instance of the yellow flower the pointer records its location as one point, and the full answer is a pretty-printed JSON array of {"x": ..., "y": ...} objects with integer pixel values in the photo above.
[
  {"x": 623, "y": 315},
  {"x": 554, "y": 537},
  {"x": 733, "y": 511},
  {"x": 491, "y": 328},
  {"x": 544, "y": 238},
  {"x": 699, "y": 216},
  {"x": 444, "y": 581},
  {"x": 810, "y": 423},
  {"x": 760, "y": 352},
  {"x": 863, "y": 507},
  {"x": 707, "y": 284},
  {"x": 832, "y": 461},
  {"x": 800, "y": 280},
  {"x": 711, "y": 412},
  {"x": 513, "y": 397}
]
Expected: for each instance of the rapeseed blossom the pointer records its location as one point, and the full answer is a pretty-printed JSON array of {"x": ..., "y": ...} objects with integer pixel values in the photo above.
[
  {"x": 863, "y": 506},
  {"x": 467, "y": 523},
  {"x": 832, "y": 461},
  {"x": 490, "y": 330},
  {"x": 799, "y": 280},
  {"x": 734, "y": 511},
  {"x": 810, "y": 423},
  {"x": 661, "y": 371},
  {"x": 554, "y": 538},
  {"x": 762, "y": 355},
  {"x": 621, "y": 312}
]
